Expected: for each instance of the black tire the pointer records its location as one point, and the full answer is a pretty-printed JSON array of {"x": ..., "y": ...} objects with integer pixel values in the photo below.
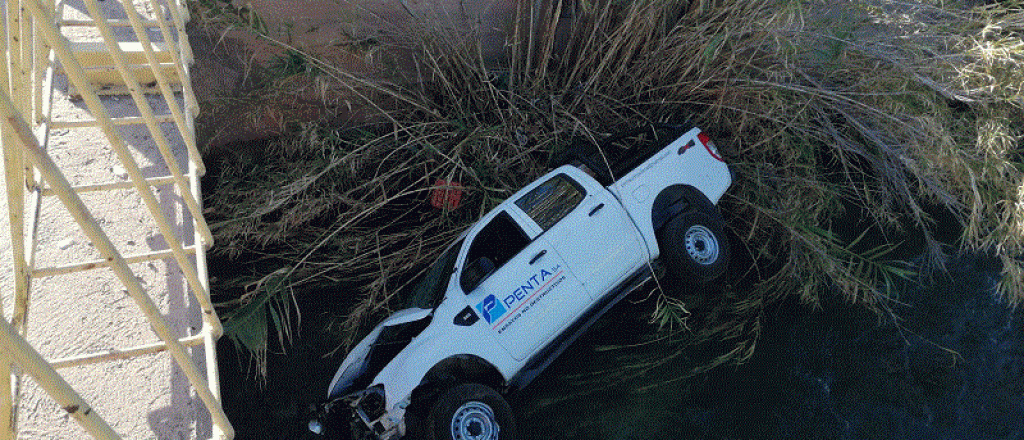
[
  {"x": 470, "y": 411},
  {"x": 694, "y": 247},
  {"x": 577, "y": 148}
]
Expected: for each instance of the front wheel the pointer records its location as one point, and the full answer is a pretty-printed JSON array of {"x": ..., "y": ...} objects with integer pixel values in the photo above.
[
  {"x": 470, "y": 412},
  {"x": 694, "y": 246}
]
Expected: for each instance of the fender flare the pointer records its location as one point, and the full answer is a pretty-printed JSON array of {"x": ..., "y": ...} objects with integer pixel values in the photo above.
[
  {"x": 677, "y": 199},
  {"x": 460, "y": 368}
]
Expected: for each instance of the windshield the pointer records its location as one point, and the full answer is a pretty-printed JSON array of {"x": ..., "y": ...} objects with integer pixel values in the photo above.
[{"x": 429, "y": 288}]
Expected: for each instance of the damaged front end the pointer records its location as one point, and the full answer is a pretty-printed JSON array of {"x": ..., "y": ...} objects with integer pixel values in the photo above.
[
  {"x": 363, "y": 411},
  {"x": 371, "y": 407},
  {"x": 354, "y": 405}
]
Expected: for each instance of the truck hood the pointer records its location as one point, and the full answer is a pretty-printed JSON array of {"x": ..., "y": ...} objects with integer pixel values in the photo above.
[{"x": 355, "y": 364}]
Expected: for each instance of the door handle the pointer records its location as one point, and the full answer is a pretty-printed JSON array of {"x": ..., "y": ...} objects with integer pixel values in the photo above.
[
  {"x": 537, "y": 257},
  {"x": 596, "y": 208}
]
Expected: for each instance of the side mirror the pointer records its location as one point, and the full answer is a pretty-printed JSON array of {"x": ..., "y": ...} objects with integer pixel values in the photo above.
[{"x": 475, "y": 273}]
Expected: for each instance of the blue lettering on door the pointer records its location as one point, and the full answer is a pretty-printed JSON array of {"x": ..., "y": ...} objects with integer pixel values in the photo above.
[
  {"x": 526, "y": 289},
  {"x": 493, "y": 310}
]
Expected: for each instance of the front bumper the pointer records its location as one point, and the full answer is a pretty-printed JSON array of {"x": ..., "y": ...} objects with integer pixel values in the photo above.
[
  {"x": 371, "y": 407},
  {"x": 365, "y": 411}
]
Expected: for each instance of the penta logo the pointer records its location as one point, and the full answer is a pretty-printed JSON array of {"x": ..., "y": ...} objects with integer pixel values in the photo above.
[
  {"x": 491, "y": 309},
  {"x": 529, "y": 286}
]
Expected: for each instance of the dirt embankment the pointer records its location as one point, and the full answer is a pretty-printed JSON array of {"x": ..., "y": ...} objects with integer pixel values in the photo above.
[{"x": 249, "y": 74}]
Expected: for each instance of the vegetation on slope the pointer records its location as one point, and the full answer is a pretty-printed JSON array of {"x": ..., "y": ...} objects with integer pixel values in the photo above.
[{"x": 858, "y": 132}]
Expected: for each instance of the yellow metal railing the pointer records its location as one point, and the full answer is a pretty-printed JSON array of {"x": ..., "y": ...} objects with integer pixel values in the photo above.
[{"x": 33, "y": 45}]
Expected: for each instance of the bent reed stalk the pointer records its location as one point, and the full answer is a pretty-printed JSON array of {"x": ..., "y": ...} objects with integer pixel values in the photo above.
[{"x": 851, "y": 128}]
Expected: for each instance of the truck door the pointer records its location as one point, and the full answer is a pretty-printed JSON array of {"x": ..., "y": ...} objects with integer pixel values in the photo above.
[
  {"x": 588, "y": 227},
  {"x": 520, "y": 287}
]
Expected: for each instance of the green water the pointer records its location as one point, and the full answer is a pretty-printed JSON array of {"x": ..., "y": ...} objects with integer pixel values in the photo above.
[{"x": 834, "y": 373}]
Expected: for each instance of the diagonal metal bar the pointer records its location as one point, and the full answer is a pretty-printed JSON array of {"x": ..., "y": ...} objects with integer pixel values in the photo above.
[
  {"x": 161, "y": 78},
  {"x": 78, "y": 77},
  {"x": 181, "y": 55},
  {"x": 6, "y": 397},
  {"x": 29, "y": 360},
  {"x": 53, "y": 176},
  {"x": 146, "y": 110}
]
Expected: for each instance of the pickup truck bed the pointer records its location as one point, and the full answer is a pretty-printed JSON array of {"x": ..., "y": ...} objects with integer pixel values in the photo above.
[
  {"x": 624, "y": 151},
  {"x": 524, "y": 281}
]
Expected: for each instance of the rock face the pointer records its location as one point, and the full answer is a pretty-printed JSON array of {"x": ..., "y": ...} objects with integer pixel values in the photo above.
[{"x": 321, "y": 28}]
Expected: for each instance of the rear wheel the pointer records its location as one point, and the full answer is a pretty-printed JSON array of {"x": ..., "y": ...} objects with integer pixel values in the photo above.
[
  {"x": 470, "y": 412},
  {"x": 694, "y": 247}
]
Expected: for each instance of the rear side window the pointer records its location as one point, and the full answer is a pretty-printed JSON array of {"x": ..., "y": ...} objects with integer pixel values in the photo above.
[{"x": 552, "y": 200}]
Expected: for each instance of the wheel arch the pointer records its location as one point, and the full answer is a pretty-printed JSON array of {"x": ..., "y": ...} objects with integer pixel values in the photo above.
[
  {"x": 460, "y": 368},
  {"x": 677, "y": 199}
]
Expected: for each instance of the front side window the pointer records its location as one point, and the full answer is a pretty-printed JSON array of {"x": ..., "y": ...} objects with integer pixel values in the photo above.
[
  {"x": 497, "y": 242},
  {"x": 551, "y": 201}
]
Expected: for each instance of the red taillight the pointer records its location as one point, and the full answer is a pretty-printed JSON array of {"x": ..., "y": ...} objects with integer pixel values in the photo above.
[{"x": 710, "y": 146}]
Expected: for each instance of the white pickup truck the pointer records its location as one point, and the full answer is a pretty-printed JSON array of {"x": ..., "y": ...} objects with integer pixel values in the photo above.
[{"x": 520, "y": 285}]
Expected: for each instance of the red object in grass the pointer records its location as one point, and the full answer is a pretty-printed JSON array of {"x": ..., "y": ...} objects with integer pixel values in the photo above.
[{"x": 446, "y": 194}]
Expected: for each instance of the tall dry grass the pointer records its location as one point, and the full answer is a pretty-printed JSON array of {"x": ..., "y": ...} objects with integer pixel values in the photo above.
[{"x": 859, "y": 134}]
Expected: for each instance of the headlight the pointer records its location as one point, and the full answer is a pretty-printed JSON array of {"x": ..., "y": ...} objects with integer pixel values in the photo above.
[{"x": 372, "y": 405}]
